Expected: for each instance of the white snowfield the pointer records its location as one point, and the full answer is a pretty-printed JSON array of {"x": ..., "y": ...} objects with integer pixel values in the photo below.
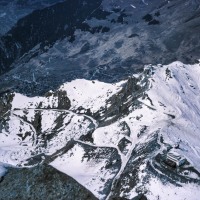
[
  {"x": 90, "y": 94},
  {"x": 172, "y": 105}
]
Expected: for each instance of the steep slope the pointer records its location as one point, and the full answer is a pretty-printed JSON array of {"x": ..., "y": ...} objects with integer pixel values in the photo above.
[
  {"x": 105, "y": 40},
  {"x": 112, "y": 138}
]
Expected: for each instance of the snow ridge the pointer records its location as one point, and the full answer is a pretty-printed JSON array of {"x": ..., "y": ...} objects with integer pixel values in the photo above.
[{"x": 97, "y": 156}]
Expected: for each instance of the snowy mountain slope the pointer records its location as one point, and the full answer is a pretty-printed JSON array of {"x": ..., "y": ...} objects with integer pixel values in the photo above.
[
  {"x": 95, "y": 172},
  {"x": 112, "y": 138},
  {"x": 86, "y": 94},
  {"x": 178, "y": 95}
]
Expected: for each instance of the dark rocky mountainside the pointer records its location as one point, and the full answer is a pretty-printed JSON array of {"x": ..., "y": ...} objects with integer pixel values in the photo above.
[
  {"x": 89, "y": 39},
  {"x": 41, "y": 182}
]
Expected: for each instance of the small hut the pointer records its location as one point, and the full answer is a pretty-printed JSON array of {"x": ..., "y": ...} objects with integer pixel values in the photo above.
[{"x": 175, "y": 158}]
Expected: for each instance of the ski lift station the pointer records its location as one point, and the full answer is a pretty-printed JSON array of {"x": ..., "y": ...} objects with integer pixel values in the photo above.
[{"x": 175, "y": 158}]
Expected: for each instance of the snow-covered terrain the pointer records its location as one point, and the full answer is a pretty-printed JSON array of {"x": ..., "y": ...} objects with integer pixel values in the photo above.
[
  {"x": 90, "y": 94},
  {"x": 119, "y": 157}
]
